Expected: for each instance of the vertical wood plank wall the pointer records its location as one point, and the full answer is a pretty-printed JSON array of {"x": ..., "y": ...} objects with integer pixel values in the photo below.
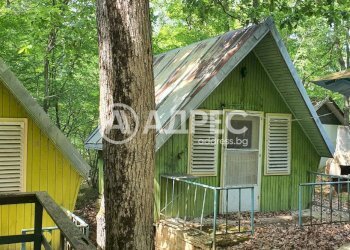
[
  {"x": 47, "y": 170},
  {"x": 254, "y": 92}
]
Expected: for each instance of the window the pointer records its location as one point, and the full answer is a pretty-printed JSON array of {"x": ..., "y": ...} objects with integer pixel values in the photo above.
[
  {"x": 12, "y": 154},
  {"x": 203, "y": 145},
  {"x": 278, "y": 144}
]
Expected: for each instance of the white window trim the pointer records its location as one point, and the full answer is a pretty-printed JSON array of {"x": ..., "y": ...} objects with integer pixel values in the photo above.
[
  {"x": 24, "y": 122},
  {"x": 289, "y": 146},
  {"x": 189, "y": 168}
]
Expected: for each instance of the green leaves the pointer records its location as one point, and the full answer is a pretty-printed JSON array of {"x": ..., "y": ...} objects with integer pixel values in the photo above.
[
  {"x": 63, "y": 34},
  {"x": 314, "y": 31},
  {"x": 25, "y": 49},
  {"x": 52, "y": 48}
]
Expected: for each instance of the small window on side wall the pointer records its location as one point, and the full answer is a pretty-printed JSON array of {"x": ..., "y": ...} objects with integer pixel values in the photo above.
[
  {"x": 203, "y": 145},
  {"x": 13, "y": 146},
  {"x": 278, "y": 144}
]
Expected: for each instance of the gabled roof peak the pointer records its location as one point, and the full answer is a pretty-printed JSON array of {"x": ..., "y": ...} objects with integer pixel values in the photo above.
[
  {"x": 185, "y": 77},
  {"x": 42, "y": 120}
]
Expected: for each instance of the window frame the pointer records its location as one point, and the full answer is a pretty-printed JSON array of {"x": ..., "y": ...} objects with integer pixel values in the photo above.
[
  {"x": 216, "y": 161},
  {"x": 23, "y": 122},
  {"x": 267, "y": 170}
]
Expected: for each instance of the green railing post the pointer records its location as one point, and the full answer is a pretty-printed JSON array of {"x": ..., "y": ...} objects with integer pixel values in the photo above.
[
  {"x": 331, "y": 203},
  {"x": 166, "y": 198},
  {"x": 172, "y": 199},
  {"x": 186, "y": 203},
  {"x": 321, "y": 210},
  {"x": 252, "y": 211},
  {"x": 203, "y": 205},
  {"x": 194, "y": 202},
  {"x": 348, "y": 203},
  {"x": 239, "y": 209},
  {"x": 214, "y": 220},
  {"x": 38, "y": 224},
  {"x": 300, "y": 205},
  {"x": 311, "y": 205},
  {"x": 226, "y": 208}
]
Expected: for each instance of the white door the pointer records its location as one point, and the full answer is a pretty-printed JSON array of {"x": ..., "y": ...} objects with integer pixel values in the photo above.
[{"x": 241, "y": 161}]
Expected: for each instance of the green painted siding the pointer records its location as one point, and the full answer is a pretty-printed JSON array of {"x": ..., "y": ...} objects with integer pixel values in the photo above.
[
  {"x": 47, "y": 169},
  {"x": 254, "y": 92},
  {"x": 100, "y": 173}
]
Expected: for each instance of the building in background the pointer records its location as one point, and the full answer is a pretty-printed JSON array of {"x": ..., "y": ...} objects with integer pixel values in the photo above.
[
  {"x": 246, "y": 71},
  {"x": 331, "y": 117},
  {"x": 34, "y": 156}
]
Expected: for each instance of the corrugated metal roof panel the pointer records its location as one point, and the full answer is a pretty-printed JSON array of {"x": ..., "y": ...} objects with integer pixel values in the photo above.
[
  {"x": 181, "y": 73},
  {"x": 185, "y": 73},
  {"x": 94, "y": 141},
  {"x": 336, "y": 82},
  {"x": 184, "y": 77},
  {"x": 292, "y": 90},
  {"x": 329, "y": 112}
]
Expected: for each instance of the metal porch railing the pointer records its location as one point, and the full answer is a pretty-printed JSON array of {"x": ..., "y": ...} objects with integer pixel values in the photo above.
[
  {"x": 68, "y": 230},
  {"x": 186, "y": 199},
  {"x": 80, "y": 223},
  {"x": 327, "y": 200}
]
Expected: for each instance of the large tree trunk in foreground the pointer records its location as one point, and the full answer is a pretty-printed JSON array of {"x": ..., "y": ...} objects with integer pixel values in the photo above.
[{"x": 126, "y": 76}]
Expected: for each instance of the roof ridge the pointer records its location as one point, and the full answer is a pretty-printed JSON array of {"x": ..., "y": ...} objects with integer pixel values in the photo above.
[{"x": 210, "y": 38}]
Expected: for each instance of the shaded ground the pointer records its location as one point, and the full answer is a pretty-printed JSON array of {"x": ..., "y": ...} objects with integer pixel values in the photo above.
[
  {"x": 87, "y": 207},
  {"x": 276, "y": 230},
  {"x": 316, "y": 237},
  {"x": 281, "y": 235}
]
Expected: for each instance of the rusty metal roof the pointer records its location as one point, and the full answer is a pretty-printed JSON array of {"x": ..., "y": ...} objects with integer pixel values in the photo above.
[
  {"x": 185, "y": 77},
  {"x": 181, "y": 73},
  {"x": 336, "y": 82}
]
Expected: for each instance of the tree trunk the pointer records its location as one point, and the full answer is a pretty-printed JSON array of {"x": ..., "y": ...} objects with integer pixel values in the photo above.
[
  {"x": 126, "y": 77},
  {"x": 347, "y": 45},
  {"x": 50, "y": 46}
]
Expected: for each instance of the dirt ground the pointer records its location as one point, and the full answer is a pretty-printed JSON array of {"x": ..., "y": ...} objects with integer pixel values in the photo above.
[
  {"x": 87, "y": 207},
  {"x": 280, "y": 235},
  {"x": 271, "y": 232}
]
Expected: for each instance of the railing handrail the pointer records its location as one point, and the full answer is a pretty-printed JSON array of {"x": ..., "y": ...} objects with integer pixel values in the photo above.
[
  {"x": 324, "y": 183},
  {"x": 336, "y": 184},
  {"x": 205, "y": 185},
  {"x": 68, "y": 229},
  {"x": 330, "y": 175},
  {"x": 216, "y": 193}
]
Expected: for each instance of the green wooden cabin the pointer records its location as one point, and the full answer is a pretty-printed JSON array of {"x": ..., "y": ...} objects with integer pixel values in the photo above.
[
  {"x": 34, "y": 156},
  {"x": 241, "y": 79}
]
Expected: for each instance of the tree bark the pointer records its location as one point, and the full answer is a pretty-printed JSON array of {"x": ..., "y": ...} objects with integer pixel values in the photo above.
[
  {"x": 126, "y": 76},
  {"x": 50, "y": 47},
  {"x": 347, "y": 45}
]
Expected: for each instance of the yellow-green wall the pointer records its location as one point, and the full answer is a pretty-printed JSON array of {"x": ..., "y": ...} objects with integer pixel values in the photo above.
[
  {"x": 254, "y": 92},
  {"x": 46, "y": 170}
]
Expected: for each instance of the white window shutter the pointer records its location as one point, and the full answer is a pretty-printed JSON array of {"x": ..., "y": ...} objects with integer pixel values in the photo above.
[
  {"x": 12, "y": 155},
  {"x": 203, "y": 148},
  {"x": 278, "y": 144}
]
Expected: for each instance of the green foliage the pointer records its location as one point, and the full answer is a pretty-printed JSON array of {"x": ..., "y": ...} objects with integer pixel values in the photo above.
[
  {"x": 52, "y": 45},
  {"x": 315, "y": 32}
]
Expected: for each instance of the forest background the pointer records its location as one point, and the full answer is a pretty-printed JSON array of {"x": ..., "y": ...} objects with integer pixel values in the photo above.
[{"x": 52, "y": 47}]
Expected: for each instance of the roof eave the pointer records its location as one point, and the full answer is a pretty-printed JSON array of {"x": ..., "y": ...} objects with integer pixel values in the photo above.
[
  {"x": 41, "y": 119},
  {"x": 303, "y": 93},
  {"x": 245, "y": 49}
]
